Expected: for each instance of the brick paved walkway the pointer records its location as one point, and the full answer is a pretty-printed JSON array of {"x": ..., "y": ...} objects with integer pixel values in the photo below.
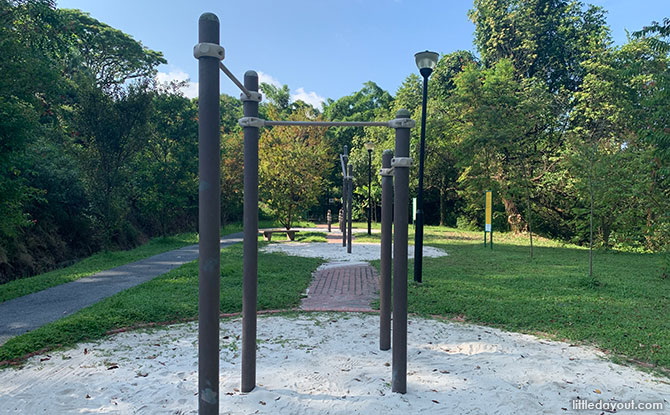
[{"x": 349, "y": 287}]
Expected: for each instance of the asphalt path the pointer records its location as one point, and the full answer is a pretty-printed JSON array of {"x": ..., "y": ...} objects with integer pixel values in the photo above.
[{"x": 31, "y": 311}]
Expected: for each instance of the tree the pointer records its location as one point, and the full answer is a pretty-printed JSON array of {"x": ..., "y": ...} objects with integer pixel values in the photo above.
[
  {"x": 596, "y": 124},
  {"x": 293, "y": 162},
  {"x": 504, "y": 123},
  {"x": 108, "y": 55},
  {"x": 167, "y": 166},
  {"x": 232, "y": 177},
  {"x": 441, "y": 170},
  {"x": 547, "y": 39},
  {"x": 112, "y": 130}
]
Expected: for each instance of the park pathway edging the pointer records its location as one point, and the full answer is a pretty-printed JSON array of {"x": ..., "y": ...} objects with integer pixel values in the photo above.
[{"x": 23, "y": 314}]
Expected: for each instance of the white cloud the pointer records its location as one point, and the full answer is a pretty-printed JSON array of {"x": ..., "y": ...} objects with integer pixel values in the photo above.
[
  {"x": 310, "y": 97},
  {"x": 268, "y": 79},
  {"x": 190, "y": 90}
]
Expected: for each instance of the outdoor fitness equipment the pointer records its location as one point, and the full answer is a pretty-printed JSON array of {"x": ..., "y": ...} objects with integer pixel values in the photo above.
[{"x": 210, "y": 54}]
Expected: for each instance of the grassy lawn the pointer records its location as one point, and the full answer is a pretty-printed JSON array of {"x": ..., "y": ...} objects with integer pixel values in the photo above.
[
  {"x": 172, "y": 296},
  {"x": 105, "y": 260},
  {"x": 310, "y": 237},
  {"x": 624, "y": 309}
]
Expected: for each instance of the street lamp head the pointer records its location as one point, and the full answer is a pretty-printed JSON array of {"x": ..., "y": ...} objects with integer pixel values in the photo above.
[
  {"x": 426, "y": 62},
  {"x": 369, "y": 146}
]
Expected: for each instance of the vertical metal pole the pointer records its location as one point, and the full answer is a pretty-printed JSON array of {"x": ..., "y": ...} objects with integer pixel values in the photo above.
[
  {"x": 385, "y": 277},
  {"x": 350, "y": 197},
  {"x": 250, "y": 265},
  {"x": 329, "y": 219},
  {"x": 344, "y": 197},
  {"x": 369, "y": 192},
  {"x": 209, "y": 220},
  {"x": 418, "y": 236},
  {"x": 491, "y": 231},
  {"x": 400, "y": 217}
]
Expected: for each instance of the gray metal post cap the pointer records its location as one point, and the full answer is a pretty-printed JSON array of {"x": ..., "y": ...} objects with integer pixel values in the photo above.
[
  {"x": 402, "y": 113},
  {"x": 211, "y": 50}
]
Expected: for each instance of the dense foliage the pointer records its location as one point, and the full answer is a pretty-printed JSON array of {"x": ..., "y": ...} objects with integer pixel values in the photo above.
[{"x": 570, "y": 132}]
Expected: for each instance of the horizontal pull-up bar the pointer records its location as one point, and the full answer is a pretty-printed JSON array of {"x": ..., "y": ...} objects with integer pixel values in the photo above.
[
  {"x": 329, "y": 123},
  {"x": 259, "y": 122}
]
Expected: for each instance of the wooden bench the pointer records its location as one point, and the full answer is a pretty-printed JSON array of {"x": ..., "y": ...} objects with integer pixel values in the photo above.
[{"x": 290, "y": 234}]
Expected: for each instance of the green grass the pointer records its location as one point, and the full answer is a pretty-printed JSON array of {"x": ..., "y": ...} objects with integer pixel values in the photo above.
[
  {"x": 310, "y": 237},
  {"x": 172, "y": 296},
  {"x": 95, "y": 263},
  {"x": 103, "y": 261},
  {"x": 624, "y": 309}
]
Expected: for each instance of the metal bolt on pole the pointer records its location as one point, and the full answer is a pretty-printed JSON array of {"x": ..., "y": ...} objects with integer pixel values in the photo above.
[
  {"x": 250, "y": 264},
  {"x": 400, "y": 218},
  {"x": 386, "y": 242},
  {"x": 350, "y": 196},
  {"x": 209, "y": 222}
]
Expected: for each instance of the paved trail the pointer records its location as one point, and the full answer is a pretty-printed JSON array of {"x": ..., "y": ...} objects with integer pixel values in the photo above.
[
  {"x": 29, "y": 312},
  {"x": 342, "y": 287}
]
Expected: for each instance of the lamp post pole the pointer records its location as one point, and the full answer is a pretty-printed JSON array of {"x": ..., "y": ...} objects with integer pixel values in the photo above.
[{"x": 426, "y": 61}]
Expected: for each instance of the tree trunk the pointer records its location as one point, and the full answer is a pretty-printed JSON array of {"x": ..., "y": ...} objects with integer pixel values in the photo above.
[
  {"x": 443, "y": 206},
  {"x": 513, "y": 216},
  {"x": 591, "y": 229}
]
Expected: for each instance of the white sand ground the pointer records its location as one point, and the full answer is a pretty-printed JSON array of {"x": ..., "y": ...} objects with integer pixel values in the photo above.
[
  {"x": 327, "y": 363},
  {"x": 338, "y": 253}
]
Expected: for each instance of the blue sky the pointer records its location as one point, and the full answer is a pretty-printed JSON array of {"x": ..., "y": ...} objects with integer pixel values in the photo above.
[{"x": 321, "y": 49}]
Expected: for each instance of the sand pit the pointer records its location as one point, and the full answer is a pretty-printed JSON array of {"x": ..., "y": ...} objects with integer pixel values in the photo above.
[
  {"x": 327, "y": 363},
  {"x": 338, "y": 253}
]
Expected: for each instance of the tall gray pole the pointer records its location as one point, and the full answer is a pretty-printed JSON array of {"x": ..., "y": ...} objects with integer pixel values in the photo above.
[
  {"x": 344, "y": 196},
  {"x": 400, "y": 217},
  {"x": 250, "y": 217},
  {"x": 350, "y": 197},
  {"x": 418, "y": 228},
  {"x": 385, "y": 277},
  {"x": 209, "y": 219}
]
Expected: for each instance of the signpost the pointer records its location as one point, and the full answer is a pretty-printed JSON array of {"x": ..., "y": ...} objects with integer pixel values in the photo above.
[
  {"x": 488, "y": 227},
  {"x": 414, "y": 210}
]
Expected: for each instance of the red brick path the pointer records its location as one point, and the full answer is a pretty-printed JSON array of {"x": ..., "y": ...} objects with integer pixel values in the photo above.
[{"x": 342, "y": 288}]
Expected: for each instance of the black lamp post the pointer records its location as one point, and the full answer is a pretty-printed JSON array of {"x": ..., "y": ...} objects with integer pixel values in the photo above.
[
  {"x": 426, "y": 62},
  {"x": 369, "y": 146}
]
